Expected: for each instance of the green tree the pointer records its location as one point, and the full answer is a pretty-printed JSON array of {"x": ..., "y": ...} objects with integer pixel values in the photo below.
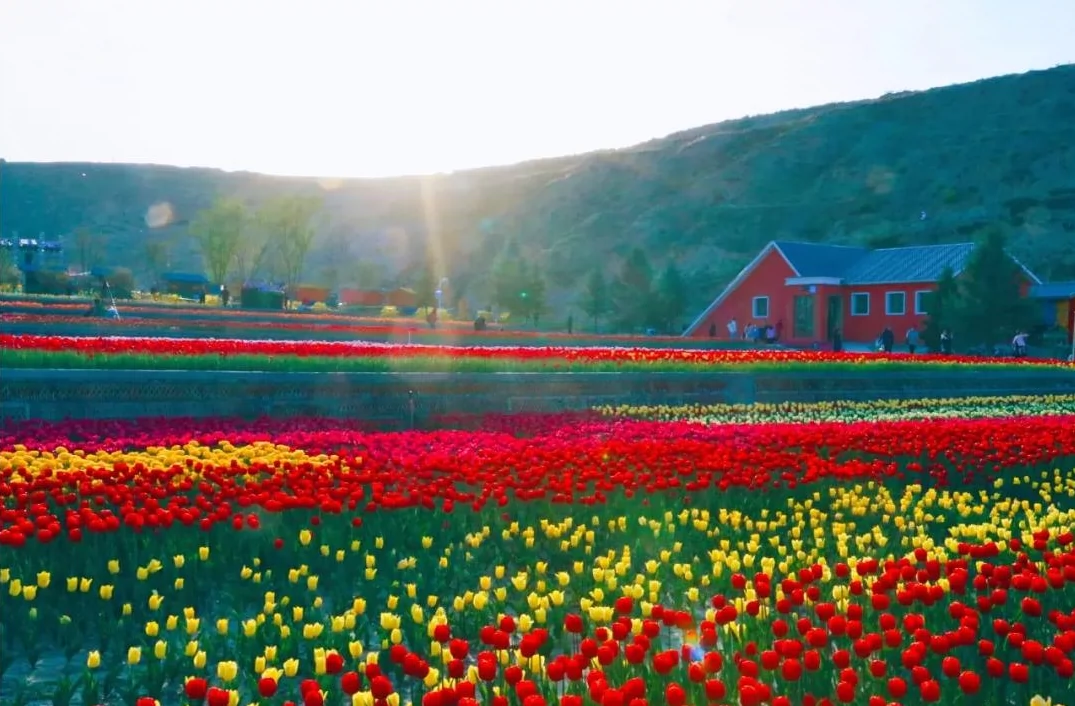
[
  {"x": 508, "y": 280},
  {"x": 633, "y": 296},
  {"x": 9, "y": 273},
  {"x": 155, "y": 258},
  {"x": 254, "y": 256},
  {"x": 89, "y": 247},
  {"x": 220, "y": 230},
  {"x": 366, "y": 274},
  {"x": 532, "y": 294},
  {"x": 941, "y": 305},
  {"x": 671, "y": 297},
  {"x": 425, "y": 287},
  {"x": 288, "y": 224},
  {"x": 596, "y": 301},
  {"x": 991, "y": 307}
]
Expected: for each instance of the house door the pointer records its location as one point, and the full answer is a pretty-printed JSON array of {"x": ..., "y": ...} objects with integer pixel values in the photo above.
[
  {"x": 804, "y": 316},
  {"x": 835, "y": 316}
]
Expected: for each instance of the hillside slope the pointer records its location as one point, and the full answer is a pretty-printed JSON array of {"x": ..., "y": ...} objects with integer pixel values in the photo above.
[{"x": 996, "y": 150}]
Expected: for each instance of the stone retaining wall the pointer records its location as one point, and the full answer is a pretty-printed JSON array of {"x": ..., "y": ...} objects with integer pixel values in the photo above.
[{"x": 407, "y": 398}]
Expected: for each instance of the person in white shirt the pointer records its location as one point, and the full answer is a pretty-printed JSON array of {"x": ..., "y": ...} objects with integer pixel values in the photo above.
[
  {"x": 733, "y": 329},
  {"x": 1019, "y": 344}
]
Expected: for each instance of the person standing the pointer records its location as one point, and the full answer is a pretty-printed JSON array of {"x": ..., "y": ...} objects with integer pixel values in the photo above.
[
  {"x": 225, "y": 296},
  {"x": 837, "y": 340},
  {"x": 888, "y": 340},
  {"x": 946, "y": 342},
  {"x": 912, "y": 339},
  {"x": 1019, "y": 345},
  {"x": 733, "y": 328}
]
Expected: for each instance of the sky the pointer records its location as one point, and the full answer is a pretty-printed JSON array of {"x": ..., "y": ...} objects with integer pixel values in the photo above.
[{"x": 384, "y": 87}]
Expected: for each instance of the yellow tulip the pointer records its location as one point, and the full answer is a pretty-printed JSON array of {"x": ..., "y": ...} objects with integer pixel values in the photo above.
[
  {"x": 291, "y": 667},
  {"x": 227, "y": 671}
]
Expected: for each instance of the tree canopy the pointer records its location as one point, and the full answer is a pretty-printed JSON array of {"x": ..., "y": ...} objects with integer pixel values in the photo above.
[{"x": 220, "y": 230}]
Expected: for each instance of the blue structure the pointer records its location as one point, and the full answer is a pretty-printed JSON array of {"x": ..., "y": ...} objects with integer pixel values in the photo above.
[{"x": 185, "y": 284}]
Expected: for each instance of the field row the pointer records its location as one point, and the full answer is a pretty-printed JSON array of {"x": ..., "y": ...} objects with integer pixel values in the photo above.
[{"x": 237, "y": 354}]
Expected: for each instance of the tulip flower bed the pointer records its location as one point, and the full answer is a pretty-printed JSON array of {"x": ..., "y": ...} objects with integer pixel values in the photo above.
[
  {"x": 297, "y": 327},
  {"x": 571, "y": 560},
  {"x": 123, "y": 353},
  {"x": 854, "y": 411}
]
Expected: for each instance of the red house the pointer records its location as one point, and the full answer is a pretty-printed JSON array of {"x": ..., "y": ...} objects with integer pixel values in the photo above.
[{"x": 807, "y": 290}]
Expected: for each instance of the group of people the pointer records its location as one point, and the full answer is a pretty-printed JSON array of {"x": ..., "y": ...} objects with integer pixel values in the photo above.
[
  {"x": 887, "y": 340},
  {"x": 752, "y": 332}
]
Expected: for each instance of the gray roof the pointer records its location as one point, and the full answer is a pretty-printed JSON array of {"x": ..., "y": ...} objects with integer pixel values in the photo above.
[
  {"x": 1053, "y": 290},
  {"x": 922, "y": 263},
  {"x": 814, "y": 260}
]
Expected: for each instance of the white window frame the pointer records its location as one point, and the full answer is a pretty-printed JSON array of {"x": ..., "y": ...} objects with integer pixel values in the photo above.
[
  {"x": 920, "y": 311},
  {"x": 754, "y": 308},
  {"x": 852, "y": 303},
  {"x": 888, "y": 309}
]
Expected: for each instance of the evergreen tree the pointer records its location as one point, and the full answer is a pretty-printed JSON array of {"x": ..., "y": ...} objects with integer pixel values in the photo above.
[
  {"x": 671, "y": 297},
  {"x": 425, "y": 287},
  {"x": 991, "y": 307},
  {"x": 633, "y": 296},
  {"x": 941, "y": 307},
  {"x": 595, "y": 299},
  {"x": 533, "y": 293},
  {"x": 507, "y": 280}
]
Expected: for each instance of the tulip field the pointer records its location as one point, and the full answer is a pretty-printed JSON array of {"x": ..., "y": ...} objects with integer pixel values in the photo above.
[
  {"x": 860, "y": 553},
  {"x": 154, "y": 353}
]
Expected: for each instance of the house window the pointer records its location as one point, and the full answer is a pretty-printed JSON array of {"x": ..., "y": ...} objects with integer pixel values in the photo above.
[
  {"x": 921, "y": 301},
  {"x": 895, "y": 303},
  {"x": 860, "y": 304},
  {"x": 760, "y": 308}
]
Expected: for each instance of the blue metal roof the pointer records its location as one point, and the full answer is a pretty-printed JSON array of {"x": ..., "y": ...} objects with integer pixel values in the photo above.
[
  {"x": 1053, "y": 290},
  {"x": 816, "y": 260},
  {"x": 921, "y": 263}
]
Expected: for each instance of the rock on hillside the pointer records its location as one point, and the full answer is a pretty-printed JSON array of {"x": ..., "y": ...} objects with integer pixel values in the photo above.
[{"x": 1000, "y": 149}]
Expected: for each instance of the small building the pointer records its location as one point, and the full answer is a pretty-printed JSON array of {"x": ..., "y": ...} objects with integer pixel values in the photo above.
[
  {"x": 400, "y": 297},
  {"x": 807, "y": 290},
  {"x": 362, "y": 297},
  {"x": 188, "y": 285},
  {"x": 309, "y": 293},
  {"x": 1056, "y": 301}
]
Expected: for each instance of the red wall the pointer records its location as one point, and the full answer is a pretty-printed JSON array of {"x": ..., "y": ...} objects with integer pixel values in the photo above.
[
  {"x": 361, "y": 297},
  {"x": 767, "y": 280},
  {"x": 868, "y": 328}
]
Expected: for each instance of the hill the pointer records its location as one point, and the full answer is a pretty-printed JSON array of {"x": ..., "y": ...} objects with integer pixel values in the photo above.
[{"x": 997, "y": 150}]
